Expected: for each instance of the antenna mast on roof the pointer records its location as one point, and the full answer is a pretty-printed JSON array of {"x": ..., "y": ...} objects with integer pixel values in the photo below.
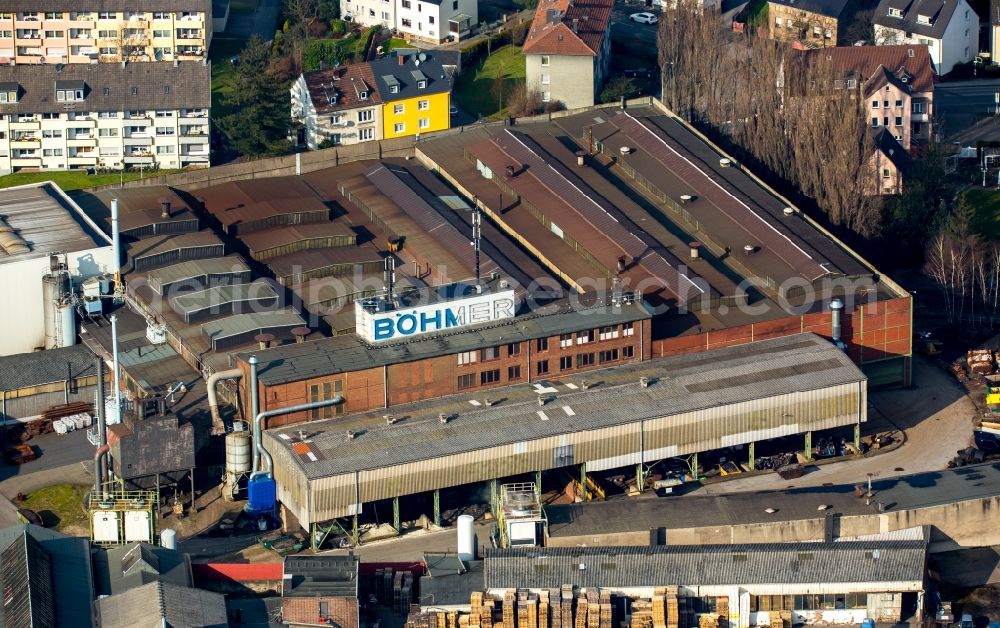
[
  {"x": 389, "y": 279},
  {"x": 477, "y": 234}
]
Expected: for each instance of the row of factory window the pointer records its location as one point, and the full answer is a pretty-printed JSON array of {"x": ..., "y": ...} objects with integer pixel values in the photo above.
[
  {"x": 324, "y": 392},
  {"x": 542, "y": 344},
  {"x": 808, "y": 602},
  {"x": 566, "y": 363}
]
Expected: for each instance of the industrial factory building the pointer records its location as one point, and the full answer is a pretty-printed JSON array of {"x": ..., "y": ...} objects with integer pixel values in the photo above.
[
  {"x": 48, "y": 248},
  {"x": 622, "y": 416},
  {"x": 758, "y": 584}
]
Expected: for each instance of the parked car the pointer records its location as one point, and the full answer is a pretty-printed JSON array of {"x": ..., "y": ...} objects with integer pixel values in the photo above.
[
  {"x": 967, "y": 621},
  {"x": 643, "y": 18}
]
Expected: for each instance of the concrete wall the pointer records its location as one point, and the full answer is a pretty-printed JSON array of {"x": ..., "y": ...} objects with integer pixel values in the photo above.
[
  {"x": 969, "y": 523},
  {"x": 570, "y": 78}
]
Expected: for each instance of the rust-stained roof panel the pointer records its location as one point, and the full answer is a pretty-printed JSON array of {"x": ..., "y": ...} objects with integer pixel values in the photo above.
[{"x": 285, "y": 236}]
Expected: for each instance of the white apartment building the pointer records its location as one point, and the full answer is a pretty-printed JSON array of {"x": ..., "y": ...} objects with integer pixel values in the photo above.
[
  {"x": 115, "y": 30},
  {"x": 949, "y": 28},
  {"x": 341, "y": 105},
  {"x": 104, "y": 115},
  {"x": 427, "y": 21}
]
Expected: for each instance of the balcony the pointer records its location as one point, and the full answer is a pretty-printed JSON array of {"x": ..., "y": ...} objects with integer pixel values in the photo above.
[
  {"x": 138, "y": 159},
  {"x": 26, "y": 162},
  {"x": 136, "y": 22},
  {"x": 26, "y": 125},
  {"x": 81, "y": 141},
  {"x": 83, "y": 160},
  {"x": 26, "y": 143},
  {"x": 138, "y": 120},
  {"x": 192, "y": 18},
  {"x": 195, "y": 158},
  {"x": 194, "y": 139},
  {"x": 139, "y": 140}
]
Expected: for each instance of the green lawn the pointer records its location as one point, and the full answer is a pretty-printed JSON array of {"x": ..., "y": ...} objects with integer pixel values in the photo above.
[
  {"x": 75, "y": 179},
  {"x": 396, "y": 42},
  {"x": 60, "y": 506},
  {"x": 987, "y": 218},
  {"x": 223, "y": 49},
  {"x": 474, "y": 91}
]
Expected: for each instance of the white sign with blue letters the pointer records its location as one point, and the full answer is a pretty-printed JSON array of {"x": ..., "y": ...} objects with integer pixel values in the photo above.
[{"x": 435, "y": 317}]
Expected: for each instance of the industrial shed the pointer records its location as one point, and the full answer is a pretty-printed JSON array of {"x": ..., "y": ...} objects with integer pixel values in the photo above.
[
  {"x": 627, "y": 415},
  {"x": 31, "y": 383},
  {"x": 839, "y": 582}
]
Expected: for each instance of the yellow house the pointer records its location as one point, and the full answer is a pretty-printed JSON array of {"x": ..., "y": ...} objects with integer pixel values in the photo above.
[{"x": 416, "y": 94}]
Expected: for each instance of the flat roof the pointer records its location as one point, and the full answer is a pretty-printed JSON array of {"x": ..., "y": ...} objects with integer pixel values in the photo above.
[
  {"x": 252, "y": 321},
  {"x": 841, "y": 562},
  {"x": 238, "y": 202},
  {"x": 340, "y": 354},
  {"x": 39, "y": 219},
  {"x": 138, "y": 207},
  {"x": 680, "y": 384}
]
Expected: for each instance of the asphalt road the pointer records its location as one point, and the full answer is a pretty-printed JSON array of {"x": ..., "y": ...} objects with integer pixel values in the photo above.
[
  {"x": 639, "y": 37},
  {"x": 53, "y": 450},
  {"x": 960, "y": 104}
]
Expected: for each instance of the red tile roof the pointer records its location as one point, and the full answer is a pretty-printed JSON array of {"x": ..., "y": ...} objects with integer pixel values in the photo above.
[
  {"x": 568, "y": 27},
  {"x": 876, "y": 65},
  {"x": 346, "y": 82}
]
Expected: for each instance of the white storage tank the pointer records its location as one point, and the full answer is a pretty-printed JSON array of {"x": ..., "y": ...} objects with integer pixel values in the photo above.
[
  {"x": 466, "y": 538},
  {"x": 137, "y": 526},
  {"x": 65, "y": 324},
  {"x": 238, "y": 453},
  {"x": 54, "y": 287},
  {"x": 105, "y": 526},
  {"x": 168, "y": 538}
]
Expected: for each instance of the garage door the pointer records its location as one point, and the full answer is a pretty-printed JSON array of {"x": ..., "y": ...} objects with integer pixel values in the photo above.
[{"x": 885, "y": 373}]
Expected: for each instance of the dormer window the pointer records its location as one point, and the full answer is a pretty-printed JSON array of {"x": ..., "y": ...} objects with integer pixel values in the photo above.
[
  {"x": 363, "y": 95},
  {"x": 895, "y": 13},
  {"x": 421, "y": 84},
  {"x": 923, "y": 19},
  {"x": 394, "y": 89},
  {"x": 69, "y": 91},
  {"x": 9, "y": 92}
]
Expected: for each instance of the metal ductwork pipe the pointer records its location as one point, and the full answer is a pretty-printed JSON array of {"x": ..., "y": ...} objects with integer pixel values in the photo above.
[
  {"x": 114, "y": 358},
  {"x": 99, "y": 460},
  {"x": 254, "y": 411},
  {"x": 218, "y": 427},
  {"x": 836, "y": 307},
  {"x": 259, "y": 451}
]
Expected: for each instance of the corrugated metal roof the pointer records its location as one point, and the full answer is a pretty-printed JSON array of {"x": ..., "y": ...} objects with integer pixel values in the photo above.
[
  {"x": 123, "y": 567},
  {"x": 582, "y": 213},
  {"x": 45, "y": 367},
  {"x": 160, "y": 603},
  {"x": 617, "y": 401},
  {"x": 708, "y": 565},
  {"x": 46, "y": 222},
  {"x": 251, "y": 322},
  {"x": 339, "y": 354},
  {"x": 311, "y": 576},
  {"x": 221, "y": 295},
  {"x": 315, "y": 259},
  {"x": 196, "y": 271},
  {"x": 164, "y": 249},
  {"x": 258, "y": 241},
  {"x": 760, "y": 229},
  {"x": 404, "y": 190}
]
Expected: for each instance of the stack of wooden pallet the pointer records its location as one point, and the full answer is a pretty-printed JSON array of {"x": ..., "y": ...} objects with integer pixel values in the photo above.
[
  {"x": 509, "y": 599},
  {"x": 659, "y": 608},
  {"x": 642, "y": 614},
  {"x": 708, "y": 621},
  {"x": 722, "y": 608},
  {"x": 566, "y": 593},
  {"x": 580, "y": 620},
  {"x": 673, "y": 607},
  {"x": 543, "y": 609}
]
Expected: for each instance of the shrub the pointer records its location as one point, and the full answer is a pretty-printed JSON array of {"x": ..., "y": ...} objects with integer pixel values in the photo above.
[{"x": 337, "y": 28}]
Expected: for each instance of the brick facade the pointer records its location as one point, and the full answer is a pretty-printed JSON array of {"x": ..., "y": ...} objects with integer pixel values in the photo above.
[
  {"x": 406, "y": 382},
  {"x": 306, "y": 611},
  {"x": 872, "y": 332}
]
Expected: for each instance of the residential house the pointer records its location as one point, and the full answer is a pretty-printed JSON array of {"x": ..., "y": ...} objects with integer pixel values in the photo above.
[
  {"x": 340, "y": 106},
  {"x": 890, "y": 163},
  {"x": 435, "y": 21},
  {"x": 949, "y": 28},
  {"x": 429, "y": 21},
  {"x": 897, "y": 83},
  {"x": 320, "y": 591},
  {"x": 416, "y": 94},
  {"x": 567, "y": 50},
  {"x": 812, "y": 23},
  {"x": 104, "y": 115},
  {"x": 90, "y": 31}
]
